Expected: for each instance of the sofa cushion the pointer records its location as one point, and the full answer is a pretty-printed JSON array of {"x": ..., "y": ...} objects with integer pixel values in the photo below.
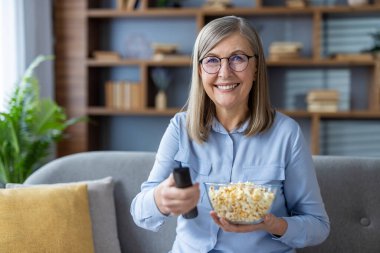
[
  {"x": 102, "y": 210},
  {"x": 55, "y": 219}
]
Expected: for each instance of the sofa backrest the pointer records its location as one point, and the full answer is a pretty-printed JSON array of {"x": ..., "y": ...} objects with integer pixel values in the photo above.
[
  {"x": 349, "y": 190},
  {"x": 348, "y": 186},
  {"x": 129, "y": 170}
]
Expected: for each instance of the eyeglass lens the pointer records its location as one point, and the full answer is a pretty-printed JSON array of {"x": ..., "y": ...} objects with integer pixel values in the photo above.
[{"x": 212, "y": 64}]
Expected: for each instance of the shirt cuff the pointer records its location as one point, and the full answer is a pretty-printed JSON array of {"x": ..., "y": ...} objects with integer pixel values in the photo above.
[
  {"x": 291, "y": 232},
  {"x": 151, "y": 214}
]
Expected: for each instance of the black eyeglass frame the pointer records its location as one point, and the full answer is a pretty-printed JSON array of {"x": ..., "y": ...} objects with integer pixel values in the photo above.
[{"x": 220, "y": 60}]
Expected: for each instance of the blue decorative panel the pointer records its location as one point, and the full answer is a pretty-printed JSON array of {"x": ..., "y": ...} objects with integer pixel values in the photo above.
[
  {"x": 133, "y": 133},
  {"x": 326, "y": 2},
  {"x": 310, "y": 2},
  {"x": 236, "y": 3},
  {"x": 346, "y": 137},
  {"x": 348, "y": 34}
]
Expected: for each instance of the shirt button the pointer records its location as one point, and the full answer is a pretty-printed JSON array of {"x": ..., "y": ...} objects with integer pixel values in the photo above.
[{"x": 365, "y": 222}]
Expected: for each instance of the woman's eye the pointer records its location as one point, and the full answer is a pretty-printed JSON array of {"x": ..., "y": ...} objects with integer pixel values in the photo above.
[
  {"x": 212, "y": 60},
  {"x": 237, "y": 58}
]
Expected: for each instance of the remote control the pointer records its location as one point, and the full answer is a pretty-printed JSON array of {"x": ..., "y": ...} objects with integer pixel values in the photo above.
[{"x": 183, "y": 180}]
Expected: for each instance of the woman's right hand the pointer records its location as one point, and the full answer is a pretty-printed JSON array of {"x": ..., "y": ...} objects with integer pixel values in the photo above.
[{"x": 172, "y": 200}]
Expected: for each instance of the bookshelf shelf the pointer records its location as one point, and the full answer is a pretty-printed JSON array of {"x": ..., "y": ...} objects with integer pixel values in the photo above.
[
  {"x": 334, "y": 115},
  {"x": 169, "y": 12},
  {"x": 130, "y": 62},
  {"x": 103, "y": 111},
  {"x": 98, "y": 63},
  {"x": 154, "y": 13},
  {"x": 320, "y": 62}
]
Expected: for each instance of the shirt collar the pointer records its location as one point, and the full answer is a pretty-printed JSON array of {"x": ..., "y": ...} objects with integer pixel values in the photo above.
[{"x": 217, "y": 127}]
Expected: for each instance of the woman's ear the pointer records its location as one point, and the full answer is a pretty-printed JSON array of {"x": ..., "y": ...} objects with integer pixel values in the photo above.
[{"x": 199, "y": 70}]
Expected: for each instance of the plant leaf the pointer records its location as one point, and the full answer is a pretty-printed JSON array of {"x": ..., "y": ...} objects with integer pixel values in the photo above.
[{"x": 28, "y": 128}]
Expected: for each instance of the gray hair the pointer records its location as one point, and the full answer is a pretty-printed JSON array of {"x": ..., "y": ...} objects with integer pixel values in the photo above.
[{"x": 200, "y": 108}]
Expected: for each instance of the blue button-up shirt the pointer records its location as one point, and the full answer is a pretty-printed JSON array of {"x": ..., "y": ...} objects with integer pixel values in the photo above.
[{"x": 278, "y": 156}]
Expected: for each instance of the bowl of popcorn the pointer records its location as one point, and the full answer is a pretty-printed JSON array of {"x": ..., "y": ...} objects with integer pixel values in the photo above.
[{"x": 241, "y": 203}]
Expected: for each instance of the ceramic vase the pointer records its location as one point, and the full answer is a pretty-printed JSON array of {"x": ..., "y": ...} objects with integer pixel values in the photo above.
[{"x": 161, "y": 100}]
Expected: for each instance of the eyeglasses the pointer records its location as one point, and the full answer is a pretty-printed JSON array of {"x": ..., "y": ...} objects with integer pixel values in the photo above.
[{"x": 236, "y": 62}]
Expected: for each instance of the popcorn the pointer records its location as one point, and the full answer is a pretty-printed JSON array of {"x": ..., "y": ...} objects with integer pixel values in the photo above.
[{"x": 241, "y": 202}]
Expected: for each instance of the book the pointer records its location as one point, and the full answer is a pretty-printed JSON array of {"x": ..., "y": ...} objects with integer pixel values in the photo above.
[
  {"x": 130, "y": 5},
  {"x": 285, "y": 46},
  {"x": 322, "y": 107},
  {"x": 106, "y": 56},
  {"x": 164, "y": 48},
  {"x": 295, "y": 3},
  {"x": 109, "y": 94},
  {"x": 353, "y": 56},
  {"x": 284, "y": 55},
  {"x": 322, "y": 95},
  {"x": 120, "y": 4},
  {"x": 136, "y": 96},
  {"x": 123, "y": 95},
  {"x": 284, "y": 50},
  {"x": 161, "y": 57}
]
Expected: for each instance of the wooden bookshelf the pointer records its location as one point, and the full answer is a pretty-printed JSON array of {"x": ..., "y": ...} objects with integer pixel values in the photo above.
[
  {"x": 165, "y": 62},
  {"x": 75, "y": 68}
]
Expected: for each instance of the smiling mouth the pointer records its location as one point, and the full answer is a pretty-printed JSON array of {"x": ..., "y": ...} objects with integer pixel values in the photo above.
[{"x": 227, "y": 87}]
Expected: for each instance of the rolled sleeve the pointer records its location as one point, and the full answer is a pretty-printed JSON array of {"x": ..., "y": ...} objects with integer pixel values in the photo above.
[
  {"x": 150, "y": 216},
  {"x": 304, "y": 231}
]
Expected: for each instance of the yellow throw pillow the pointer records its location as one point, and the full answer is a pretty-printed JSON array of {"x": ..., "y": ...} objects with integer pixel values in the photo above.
[{"x": 47, "y": 219}]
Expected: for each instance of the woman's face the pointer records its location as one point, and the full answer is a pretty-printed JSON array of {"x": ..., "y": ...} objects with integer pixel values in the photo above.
[{"x": 229, "y": 89}]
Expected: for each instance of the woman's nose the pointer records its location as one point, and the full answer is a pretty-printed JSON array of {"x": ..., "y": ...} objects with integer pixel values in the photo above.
[{"x": 225, "y": 69}]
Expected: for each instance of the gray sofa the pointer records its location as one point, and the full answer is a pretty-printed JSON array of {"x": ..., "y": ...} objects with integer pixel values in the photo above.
[{"x": 348, "y": 185}]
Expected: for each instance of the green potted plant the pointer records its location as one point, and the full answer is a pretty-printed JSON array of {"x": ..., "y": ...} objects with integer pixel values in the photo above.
[{"x": 28, "y": 128}]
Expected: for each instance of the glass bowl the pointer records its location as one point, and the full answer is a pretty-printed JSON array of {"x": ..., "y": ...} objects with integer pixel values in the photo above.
[{"x": 241, "y": 203}]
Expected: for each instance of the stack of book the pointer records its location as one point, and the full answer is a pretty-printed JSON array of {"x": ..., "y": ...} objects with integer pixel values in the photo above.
[
  {"x": 123, "y": 95},
  {"x": 162, "y": 51},
  {"x": 284, "y": 50},
  {"x": 322, "y": 100}
]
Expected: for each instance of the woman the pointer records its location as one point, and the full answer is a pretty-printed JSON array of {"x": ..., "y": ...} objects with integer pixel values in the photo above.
[{"x": 230, "y": 133}]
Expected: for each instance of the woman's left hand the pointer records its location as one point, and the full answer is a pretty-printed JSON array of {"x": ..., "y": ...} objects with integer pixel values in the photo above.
[{"x": 271, "y": 224}]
